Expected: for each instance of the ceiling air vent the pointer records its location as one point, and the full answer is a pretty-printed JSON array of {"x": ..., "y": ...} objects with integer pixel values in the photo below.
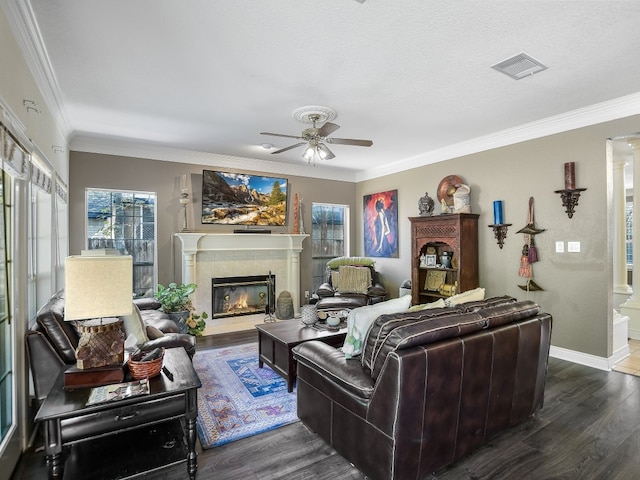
[{"x": 519, "y": 66}]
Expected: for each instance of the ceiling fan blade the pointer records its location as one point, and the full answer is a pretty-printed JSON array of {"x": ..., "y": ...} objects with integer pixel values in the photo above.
[
  {"x": 325, "y": 154},
  {"x": 350, "y": 141},
  {"x": 327, "y": 129},
  {"x": 280, "y": 135},
  {"x": 289, "y": 147}
]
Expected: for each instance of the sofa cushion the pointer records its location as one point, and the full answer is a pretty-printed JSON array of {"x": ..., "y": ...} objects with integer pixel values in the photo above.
[
  {"x": 331, "y": 364},
  {"x": 442, "y": 327},
  {"x": 159, "y": 320},
  {"x": 360, "y": 319},
  {"x": 147, "y": 303},
  {"x": 352, "y": 279},
  {"x": 385, "y": 324}
]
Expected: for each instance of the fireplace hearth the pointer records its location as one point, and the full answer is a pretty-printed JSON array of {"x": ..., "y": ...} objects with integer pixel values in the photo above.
[{"x": 242, "y": 295}]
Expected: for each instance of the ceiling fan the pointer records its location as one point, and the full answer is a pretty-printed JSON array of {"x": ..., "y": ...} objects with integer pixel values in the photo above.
[{"x": 316, "y": 138}]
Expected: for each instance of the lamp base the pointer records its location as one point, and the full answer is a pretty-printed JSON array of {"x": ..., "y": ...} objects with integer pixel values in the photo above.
[{"x": 101, "y": 343}]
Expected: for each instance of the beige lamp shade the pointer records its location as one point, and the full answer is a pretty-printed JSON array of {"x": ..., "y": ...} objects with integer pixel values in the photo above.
[{"x": 98, "y": 287}]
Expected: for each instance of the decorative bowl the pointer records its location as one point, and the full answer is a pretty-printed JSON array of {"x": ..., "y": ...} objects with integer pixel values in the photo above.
[{"x": 334, "y": 319}]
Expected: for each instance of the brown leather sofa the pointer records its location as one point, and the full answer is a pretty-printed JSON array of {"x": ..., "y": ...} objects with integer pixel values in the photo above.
[
  {"x": 330, "y": 298},
  {"x": 430, "y": 386},
  {"x": 51, "y": 343}
]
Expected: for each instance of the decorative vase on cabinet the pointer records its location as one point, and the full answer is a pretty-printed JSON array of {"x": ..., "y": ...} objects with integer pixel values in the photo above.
[{"x": 453, "y": 238}]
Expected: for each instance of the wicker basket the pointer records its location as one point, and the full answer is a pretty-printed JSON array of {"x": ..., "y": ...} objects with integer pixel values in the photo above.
[{"x": 140, "y": 370}]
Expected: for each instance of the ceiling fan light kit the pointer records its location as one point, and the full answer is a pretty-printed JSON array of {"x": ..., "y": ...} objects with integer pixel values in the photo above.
[{"x": 316, "y": 137}]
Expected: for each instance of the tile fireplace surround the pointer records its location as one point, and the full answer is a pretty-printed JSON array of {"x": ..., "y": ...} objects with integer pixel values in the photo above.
[{"x": 208, "y": 255}]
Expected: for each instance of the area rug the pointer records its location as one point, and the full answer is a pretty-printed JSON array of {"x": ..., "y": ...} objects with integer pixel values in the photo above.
[{"x": 237, "y": 399}]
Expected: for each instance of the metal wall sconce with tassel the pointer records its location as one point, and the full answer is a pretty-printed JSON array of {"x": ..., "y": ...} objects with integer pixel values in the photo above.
[
  {"x": 499, "y": 228},
  {"x": 570, "y": 194}
]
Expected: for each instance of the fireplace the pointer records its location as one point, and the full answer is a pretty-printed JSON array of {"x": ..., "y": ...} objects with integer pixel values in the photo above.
[
  {"x": 204, "y": 256},
  {"x": 242, "y": 295}
]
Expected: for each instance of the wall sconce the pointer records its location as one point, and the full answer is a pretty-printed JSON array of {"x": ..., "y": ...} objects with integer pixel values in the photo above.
[
  {"x": 499, "y": 228},
  {"x": 570, "y": 194},
  {"x": 184, "y": 201}
]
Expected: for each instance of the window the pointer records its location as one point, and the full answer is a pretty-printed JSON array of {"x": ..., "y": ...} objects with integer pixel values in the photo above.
[
  {"x": 6, "y": 345},
  {"x": 125, "y": 221},
  {"x": 329, "y": 237}
]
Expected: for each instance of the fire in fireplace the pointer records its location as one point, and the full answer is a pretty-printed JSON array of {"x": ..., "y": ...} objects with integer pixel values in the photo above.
[{"x": 244, "y": 295}]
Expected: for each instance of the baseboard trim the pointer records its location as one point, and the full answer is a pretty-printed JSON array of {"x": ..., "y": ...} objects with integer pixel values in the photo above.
[{"x": 601, "y": 363}]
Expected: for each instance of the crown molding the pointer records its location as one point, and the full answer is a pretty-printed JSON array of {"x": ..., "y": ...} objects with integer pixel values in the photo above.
[
  {"x": 25, "y": 28},
  {"x": 598, "y": 113},
  {"x": 137, "y": 149}
]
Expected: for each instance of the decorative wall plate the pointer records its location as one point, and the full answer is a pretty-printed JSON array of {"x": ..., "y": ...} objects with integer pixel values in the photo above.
[
  {"x": 435, "y": 278},
  {"x": 446, "y": 188}
]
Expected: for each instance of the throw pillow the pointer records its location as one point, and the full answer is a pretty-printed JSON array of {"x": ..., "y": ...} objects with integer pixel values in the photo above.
[
  {"x": 360, "y": 319},
  {"x": 354, "y": 279},
  {"x": 464, "y": 297},
  {"x": 337, "y": 262},
  {"x": 133, "y": 325},
  {"x": 154, "y": 332},
  {"x": 425, "y": 306}
]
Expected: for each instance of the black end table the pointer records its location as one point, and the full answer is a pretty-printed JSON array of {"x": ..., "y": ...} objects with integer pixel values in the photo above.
[{"x": 67, "y": 420}]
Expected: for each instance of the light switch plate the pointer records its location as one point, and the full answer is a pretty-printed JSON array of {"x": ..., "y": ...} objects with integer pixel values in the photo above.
[
  {"x": 573, "y": 247},
  {"x": 559, "y": 247}
]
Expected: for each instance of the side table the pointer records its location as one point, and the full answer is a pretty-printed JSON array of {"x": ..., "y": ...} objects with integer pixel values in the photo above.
[{"x": 68, "y": 420}]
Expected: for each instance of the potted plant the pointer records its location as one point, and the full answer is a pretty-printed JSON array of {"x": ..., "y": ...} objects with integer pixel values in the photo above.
[
  {"x": 175, "y": 302},
  {"x": 196, "y": 323}
]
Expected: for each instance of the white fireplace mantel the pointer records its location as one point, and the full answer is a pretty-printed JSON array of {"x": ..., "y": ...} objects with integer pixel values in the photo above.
[{"x": 208, "y": 255}]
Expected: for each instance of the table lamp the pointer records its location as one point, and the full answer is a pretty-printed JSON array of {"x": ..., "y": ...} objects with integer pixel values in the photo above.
[{"x": 97, "y": 289}]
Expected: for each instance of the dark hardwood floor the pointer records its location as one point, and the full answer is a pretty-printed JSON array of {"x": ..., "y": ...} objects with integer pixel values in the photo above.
[{"x": 589, "y": 428}]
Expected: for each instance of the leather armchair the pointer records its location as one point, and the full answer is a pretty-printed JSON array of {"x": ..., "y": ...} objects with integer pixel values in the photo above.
[
  {"x": 330, "y": 298},
  {"x": 51, "y": 342}
]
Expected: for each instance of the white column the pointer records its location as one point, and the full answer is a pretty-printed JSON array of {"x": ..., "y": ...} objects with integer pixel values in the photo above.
[
  {"x": 294, "y": 279},
  {"x": 619, "y": 227},
  {"x": 631, "y": 307},
  {"x": 189, "y": 251}
]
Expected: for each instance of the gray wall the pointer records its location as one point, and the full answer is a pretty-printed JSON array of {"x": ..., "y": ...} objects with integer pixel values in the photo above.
[
  {"x": 125, "y": 173},
  {"x": 577, "y": 285}
]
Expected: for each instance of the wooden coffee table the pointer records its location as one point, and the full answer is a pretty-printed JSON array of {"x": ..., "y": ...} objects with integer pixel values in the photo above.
[{"x": 276, "y": 340}]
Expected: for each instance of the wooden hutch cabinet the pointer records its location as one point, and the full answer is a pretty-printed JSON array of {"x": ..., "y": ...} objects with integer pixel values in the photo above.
[{"x": 455, "y": 233}]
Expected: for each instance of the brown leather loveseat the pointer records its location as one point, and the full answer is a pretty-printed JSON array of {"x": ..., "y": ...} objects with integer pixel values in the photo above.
[{"x": 430, "y": 386}]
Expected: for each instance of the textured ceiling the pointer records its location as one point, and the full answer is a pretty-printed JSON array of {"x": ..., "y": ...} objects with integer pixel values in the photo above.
[{"x": 413, "y": 76}]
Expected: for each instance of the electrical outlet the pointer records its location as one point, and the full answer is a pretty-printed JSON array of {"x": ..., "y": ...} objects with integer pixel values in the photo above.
[
  {"x": 573, "y": 247},
  {"x": 306, "y": 294},
  {"x": 559, "y": 247}
]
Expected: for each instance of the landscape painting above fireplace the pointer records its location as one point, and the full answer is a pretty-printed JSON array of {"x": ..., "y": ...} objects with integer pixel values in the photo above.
[{"x": 243, "y": 199}]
